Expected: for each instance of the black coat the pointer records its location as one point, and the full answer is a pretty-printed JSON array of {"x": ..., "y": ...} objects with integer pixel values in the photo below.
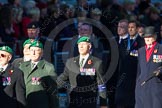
[
  {"x": 150, "y": 94},
  {"x": 12, "y": 88},
  {"x": 83, "y": 89},
  {"x": 127, "y": 70}
]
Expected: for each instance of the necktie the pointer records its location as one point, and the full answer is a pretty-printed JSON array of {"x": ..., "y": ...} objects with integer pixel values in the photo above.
[
  {"x": 81, "y": 62},
  {"x": 32, "y": 65},
  {"x": 131, "y": 41},
  {"x": 1, "y": 69}
]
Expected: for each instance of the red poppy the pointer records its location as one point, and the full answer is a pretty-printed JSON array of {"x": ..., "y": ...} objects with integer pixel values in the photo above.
[
  {"x": 89, "y": 62},
  {"x": 10, "y": 72},
  {"x": 155, "y": 51},
  {"x": 135, "y": 44}
]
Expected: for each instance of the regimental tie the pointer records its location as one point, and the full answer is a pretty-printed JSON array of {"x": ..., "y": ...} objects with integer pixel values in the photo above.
[
  {"x": 81, "y": 62},
  {"x": 1, "y": 71},
  {"x": 33, "y": 65}
]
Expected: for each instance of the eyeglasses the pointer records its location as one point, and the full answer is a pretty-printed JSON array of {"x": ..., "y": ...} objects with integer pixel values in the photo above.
[{"x": 3, "y": 55}]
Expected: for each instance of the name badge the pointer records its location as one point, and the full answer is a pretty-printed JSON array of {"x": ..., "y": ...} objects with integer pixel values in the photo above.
[
  {"x": 157, "y": 58},
  {"x": 134, "y": 53},
  {"x": 35, "y": 81},
  {"x": 88, "y": 71},
  {"x": 6, "y": 81}
]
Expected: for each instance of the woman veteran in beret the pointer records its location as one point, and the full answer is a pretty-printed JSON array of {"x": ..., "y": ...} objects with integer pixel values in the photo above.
[
  {"x": 148, "y": 91},
  {"x": 84, "y": 74},
  {"x": 39, "y": 78},
  {"x": 12, "y": 87}
]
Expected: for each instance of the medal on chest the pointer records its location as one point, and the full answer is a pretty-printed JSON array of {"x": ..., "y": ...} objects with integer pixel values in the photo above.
[
  {"x": 6, "y": 81},
  {"x": 35, "y": 81},
  {"x": 134, "y": 53},
  {"x": 157, "y": 58},
  {"x": 87, "y": 71}
]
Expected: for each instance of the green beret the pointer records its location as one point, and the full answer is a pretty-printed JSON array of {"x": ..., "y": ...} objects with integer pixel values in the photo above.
[
  {"x": 83, "y": 39},
  {"x": 7, "y": 49},
  {"x": 36, "y": 44},
  {"x": 28, "y": 41}
]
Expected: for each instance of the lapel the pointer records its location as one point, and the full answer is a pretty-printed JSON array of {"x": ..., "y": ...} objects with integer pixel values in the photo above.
[
  {"x": 76, "y": 61},
  {"x": 88, "y": 63},
  {"x": 40, "y": 66},
  {"x": 8, "y": 69},
  {"x": 135, "y": 42},
  {"x": 75, "y": 66}
]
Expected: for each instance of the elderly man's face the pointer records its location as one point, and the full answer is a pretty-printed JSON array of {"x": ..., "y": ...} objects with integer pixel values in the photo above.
[
  {"x": 85, "y": 30},
  {"x": 149, "y": 40},
  {"x": 84, "y": 48},
  {"x": 122, "y": 28},
  {"x": 33, "y": 33},
  {"x": 36, "y": 53},
  {"x": 5, "y": 57}
]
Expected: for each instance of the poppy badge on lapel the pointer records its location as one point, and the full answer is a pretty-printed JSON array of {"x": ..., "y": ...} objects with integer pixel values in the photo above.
[
  {"x": 155, "y": 51},
  {"x": 135, "y": 44},
  {"x": 89, "y": 62},
  {"x": 10, "y": 72}
]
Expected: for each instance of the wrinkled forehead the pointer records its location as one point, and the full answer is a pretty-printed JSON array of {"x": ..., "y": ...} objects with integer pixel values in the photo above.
[
  {"x": 35, "y": 48},
  {"x": 122, "y": 24},
  {"x": 87, "y": 27},
  {"x": 4, "y": 52},
  {"x": 84, "y": 43},
  {"x": 27, "y": 45}
]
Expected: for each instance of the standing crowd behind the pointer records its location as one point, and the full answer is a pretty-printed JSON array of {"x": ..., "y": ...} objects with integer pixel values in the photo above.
[{"x": 28, "y": 80}]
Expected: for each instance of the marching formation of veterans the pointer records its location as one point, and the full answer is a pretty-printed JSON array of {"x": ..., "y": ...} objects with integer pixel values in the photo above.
[{"x": 31, "y": 81}]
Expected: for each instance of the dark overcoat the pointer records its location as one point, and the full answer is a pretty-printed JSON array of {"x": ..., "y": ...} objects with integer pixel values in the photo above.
[
  {"x": 127, "y": 70},
  {"x": 150, "y": 94},
  {"x": 12, "y": 88}
]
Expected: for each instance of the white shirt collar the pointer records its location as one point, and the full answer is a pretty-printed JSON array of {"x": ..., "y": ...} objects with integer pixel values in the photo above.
[
  {"x": 123, "y": 37},
  {"x": 35, "y": 62},
  {"x": 134, "y": 36},
  {"x": 4, "y": 67},
  {"x": 85, "y": 58}
]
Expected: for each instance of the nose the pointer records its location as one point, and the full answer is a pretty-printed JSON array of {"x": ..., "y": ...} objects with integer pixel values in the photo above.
[{"x": 33, "y": 52}]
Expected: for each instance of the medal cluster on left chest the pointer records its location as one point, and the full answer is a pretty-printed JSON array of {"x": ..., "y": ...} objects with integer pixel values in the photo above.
[
  {"x": 134, "y": 53},
  {"x": 157, "y": 58},
  {"x": 87, "y": 71},
  {"x": 35, "y": 81},
  {"x": 6, "y": 80}
]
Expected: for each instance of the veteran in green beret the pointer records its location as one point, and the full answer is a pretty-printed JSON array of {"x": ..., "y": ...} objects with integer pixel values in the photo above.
[
  {"x": 85, "y": 76},
  {"x": 26, "y": 53},
  {"x": 12, "y": 86},
  {"x": 40, "y": 76}
]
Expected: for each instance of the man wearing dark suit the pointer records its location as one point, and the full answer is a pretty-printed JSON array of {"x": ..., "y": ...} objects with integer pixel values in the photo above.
[
  {"x": 148, "y": 92},
  {"x": 12, "y": 86},
  {"x": 85, "y": 29},
  {"x": 85, "y": 76},
  {"x": 128, "y": 50},
  {"x": 39, "y": 76}
]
